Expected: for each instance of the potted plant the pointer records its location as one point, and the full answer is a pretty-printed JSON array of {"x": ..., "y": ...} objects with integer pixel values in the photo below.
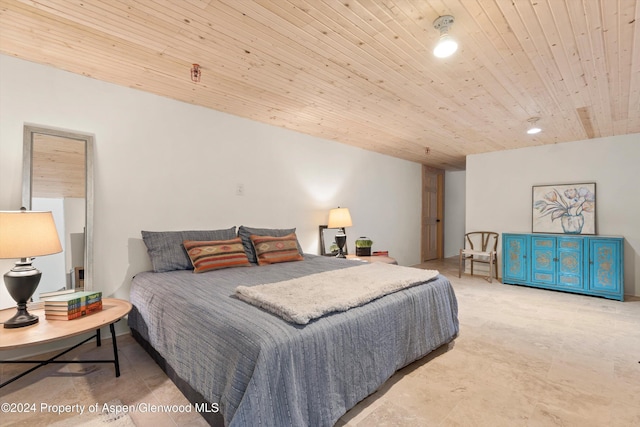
[{"x": 363, "y": 246}]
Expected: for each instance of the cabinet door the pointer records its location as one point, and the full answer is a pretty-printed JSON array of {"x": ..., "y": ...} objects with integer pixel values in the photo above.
[
  {"x": 604, "y": 266},
  {"x": 515, "y": 263},
  {"x": 570, "y": 258},
  {"x": 543, "y": 260}
]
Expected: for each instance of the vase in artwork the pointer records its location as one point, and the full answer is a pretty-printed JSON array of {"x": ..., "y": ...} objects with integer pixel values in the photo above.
[{"x": 572, "y": 224}]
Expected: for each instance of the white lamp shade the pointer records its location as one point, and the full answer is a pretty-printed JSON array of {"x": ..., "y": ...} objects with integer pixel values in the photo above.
[
  {"x": 26, "y": 234},
  {"x": 446, "y": 46},
  {"x": 339, "y": 218}
]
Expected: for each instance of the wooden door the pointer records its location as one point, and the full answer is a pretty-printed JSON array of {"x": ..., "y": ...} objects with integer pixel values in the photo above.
[
  {"x": 514, "y": 258},
  {"x": 432, "y": 213},
  {"x": 605, "y": 266},
  {"x": 570, "y": 262},
  {"x": 543, "y": 260}
]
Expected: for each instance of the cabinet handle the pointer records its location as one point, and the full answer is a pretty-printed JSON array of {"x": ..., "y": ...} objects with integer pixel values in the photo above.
[{"x": 555, "y": 259}]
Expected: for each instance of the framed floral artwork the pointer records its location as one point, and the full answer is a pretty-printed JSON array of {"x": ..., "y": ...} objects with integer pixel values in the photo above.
[{"x": 564, "y": 208}]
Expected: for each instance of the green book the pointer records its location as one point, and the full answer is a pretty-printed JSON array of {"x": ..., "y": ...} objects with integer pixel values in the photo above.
[{"x": 76, "y": 298}]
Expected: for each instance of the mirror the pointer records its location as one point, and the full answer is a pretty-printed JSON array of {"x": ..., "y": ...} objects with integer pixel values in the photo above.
[
  {"x": 328, "y": 246},
  {"x": 58, "y": 177}
]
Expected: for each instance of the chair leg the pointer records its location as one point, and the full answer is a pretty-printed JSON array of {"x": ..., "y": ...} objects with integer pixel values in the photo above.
[
  {"x": 460, "y": 265},
  {"x": 490, "y": 267}
]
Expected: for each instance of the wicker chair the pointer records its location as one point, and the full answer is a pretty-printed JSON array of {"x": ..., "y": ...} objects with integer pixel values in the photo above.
[{"x": 481, "y": 246}]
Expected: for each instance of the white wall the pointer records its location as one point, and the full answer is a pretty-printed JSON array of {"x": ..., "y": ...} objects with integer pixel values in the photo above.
[
  {"x": 74, "y": 224},
  {"x": 166, "y": 165},
  {"x": 454, "y": 212},
  {"x": 498, "y": 189}
]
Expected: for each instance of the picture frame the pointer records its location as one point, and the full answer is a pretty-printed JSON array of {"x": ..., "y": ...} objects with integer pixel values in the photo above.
[
  {"x": 79, "y": 277},
  {"x": 327, "y": 237},
  {"x": 564, "y": 208}
]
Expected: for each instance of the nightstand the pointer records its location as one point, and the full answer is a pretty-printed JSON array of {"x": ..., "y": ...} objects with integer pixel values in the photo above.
[{"x": 374, "y": 258}]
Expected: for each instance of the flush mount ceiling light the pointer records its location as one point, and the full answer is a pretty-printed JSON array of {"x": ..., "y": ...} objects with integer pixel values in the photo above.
[
  {"x": 446, "y": 45},
  {"x": 533, "y": 126}
]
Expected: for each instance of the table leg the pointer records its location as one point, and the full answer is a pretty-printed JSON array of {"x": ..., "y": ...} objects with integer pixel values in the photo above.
[
  {"x": 41, "y": 363},
  {"x": 115, "y": 349}
]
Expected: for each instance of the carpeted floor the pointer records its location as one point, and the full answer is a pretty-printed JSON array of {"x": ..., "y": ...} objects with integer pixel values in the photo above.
[{"x": 524, "y": 357}]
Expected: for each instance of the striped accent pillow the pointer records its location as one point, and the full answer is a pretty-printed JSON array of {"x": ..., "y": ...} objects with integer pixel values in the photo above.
[
  {"x": 271, "y": 250},
  {"x": 216, "y": 254}
]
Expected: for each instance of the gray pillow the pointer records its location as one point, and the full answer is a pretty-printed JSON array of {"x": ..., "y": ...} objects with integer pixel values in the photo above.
[
  {"x": 246, "y": 232},
  {"x": 166, "y": 251}
]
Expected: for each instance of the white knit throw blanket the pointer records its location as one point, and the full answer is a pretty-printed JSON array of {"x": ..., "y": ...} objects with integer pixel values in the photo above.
[{"x": 306, "y": 298}]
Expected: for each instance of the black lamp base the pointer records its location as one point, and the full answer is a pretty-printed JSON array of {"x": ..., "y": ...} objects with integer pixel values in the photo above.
[
  {"x": 341, "y": 240},
  {"x": 22, "y": 318},
  {"x": 21, "y": 282}
]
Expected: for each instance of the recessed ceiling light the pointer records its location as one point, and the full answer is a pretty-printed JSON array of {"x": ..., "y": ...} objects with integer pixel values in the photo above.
[{"x": 446, "y": 45}]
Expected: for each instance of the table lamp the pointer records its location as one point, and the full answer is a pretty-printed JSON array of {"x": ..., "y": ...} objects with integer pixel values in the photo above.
[
  {"x": 24, "y": 235},
  {"x": 340, "y": 218}
]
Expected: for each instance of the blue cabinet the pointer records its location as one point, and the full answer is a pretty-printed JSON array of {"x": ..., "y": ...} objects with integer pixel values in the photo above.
[{"x": 591, "y": 265}]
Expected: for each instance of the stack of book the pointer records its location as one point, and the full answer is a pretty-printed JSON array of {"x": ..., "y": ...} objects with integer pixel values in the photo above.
[
  {"x": 72, "y": 305},
  {"x": 46, "y": 295}
]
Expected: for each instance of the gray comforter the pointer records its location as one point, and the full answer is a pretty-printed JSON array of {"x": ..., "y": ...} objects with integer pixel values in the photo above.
[{"x": 260, "y": 369}]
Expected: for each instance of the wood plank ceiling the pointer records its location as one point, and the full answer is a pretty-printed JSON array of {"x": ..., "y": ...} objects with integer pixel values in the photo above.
[{"x": 361, "y": 72}]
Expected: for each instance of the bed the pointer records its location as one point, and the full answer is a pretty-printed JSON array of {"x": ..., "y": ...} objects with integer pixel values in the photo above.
[{"x": 243, "y": 365}]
